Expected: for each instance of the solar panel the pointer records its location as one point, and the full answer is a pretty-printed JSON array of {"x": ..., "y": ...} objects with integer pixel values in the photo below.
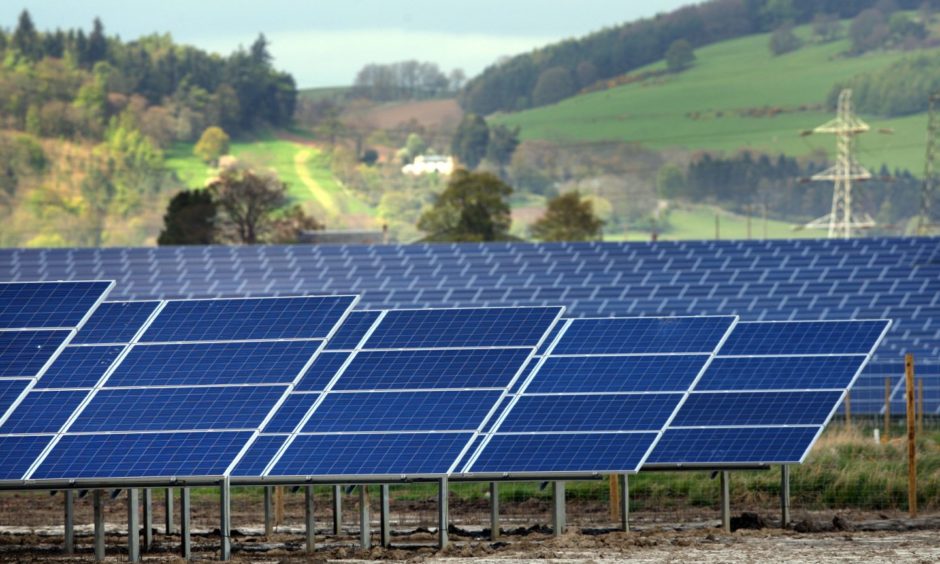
[
  {"x": 34, "y": 305},
  {"x": 115, "y": 322},
  {"x": 24, "y": 353}
]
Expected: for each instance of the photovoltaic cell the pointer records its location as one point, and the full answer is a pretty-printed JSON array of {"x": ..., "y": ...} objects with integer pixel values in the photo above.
[
  {"x": 574, "y": 452},
  {"x": 115, "y": 322},
  {"x": 9, "y": 391},
  {"x": 383, "y": 370},
  {"x": 733, "y": 446},
  {"x": 814, "y": 337},
  {"x": 42, "y": 412},
  {"x": 193, "y": 364},
  {"x": 248, "y": 319},
  {"x": 24, "y": 353},
  {"x": 590, "y": 413},
  {"x": 259, "y": 454},
  {"x": 371, "y": 454},
  {"x": 48, "y": 304},
  {"x": 137, "y": 455},
  {"x": 288, "y": 416},
  {"x": 442, "y": 328},
  {"x": 170, "y": 409},
  {"x": 574, "y": 374},
  {"x": 401, "y": 411},
  {"x": 780, "y": 373},
  {"x": 323, "y": 369},
  {"x": 79, "y": 367},
  {"x": 353, "y": 329},
  {"x": 643, "y": 335},
  {"x": 756, "y": 408},
  {"x": 17, "y": 454}
]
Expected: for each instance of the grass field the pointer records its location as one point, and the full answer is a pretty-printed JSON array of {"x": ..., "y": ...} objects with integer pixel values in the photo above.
[
  {"x": 698, "y": 222},
  {"x": 728, "y": 78}
]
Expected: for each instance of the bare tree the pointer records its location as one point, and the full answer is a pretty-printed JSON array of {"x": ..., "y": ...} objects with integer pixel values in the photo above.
[{"x": 247, "y": 202}]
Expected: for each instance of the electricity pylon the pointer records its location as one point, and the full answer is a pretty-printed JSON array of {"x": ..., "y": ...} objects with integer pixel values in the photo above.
[
  {"x": 845, "y": 127},
  {"x": 925, "y": 223}
]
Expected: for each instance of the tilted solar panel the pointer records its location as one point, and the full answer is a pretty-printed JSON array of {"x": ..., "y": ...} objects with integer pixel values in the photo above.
[{"x": 34, "y": 305}]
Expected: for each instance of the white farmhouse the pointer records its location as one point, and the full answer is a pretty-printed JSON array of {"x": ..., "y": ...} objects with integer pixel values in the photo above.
[{"x": 427, "y": 164}]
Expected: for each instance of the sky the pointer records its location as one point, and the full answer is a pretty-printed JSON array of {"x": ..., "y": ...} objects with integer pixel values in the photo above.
[{"x": 325, "y": 42}]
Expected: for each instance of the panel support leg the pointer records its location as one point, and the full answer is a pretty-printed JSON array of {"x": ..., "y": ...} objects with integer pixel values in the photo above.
[
  {"x": 337, "y": 509},
  {"x": 185, "y": 541},
  {"x": 558, "y": 508},
  {"x": 785, "y": 496},
  {"x": 147, "y": 503},
  {"x": 726, "y": 501},
  {"x": 443, "y": 521},
  {"x": 309, "y": 518},
  {"x": 69, "y": 522},
  {"x": 386, "y": 526},
  {"x": 168, "y": 510},
  {"x": 625, "y": 502},
  {"x": 98, "y": 503},
  {"x": 268, "y": 511},
  {"x": 133, "y": 525},
  {"x": 225, "y": 520},
  {"x": 365, "y": 533},
  {"x": 494, "y": 510}
]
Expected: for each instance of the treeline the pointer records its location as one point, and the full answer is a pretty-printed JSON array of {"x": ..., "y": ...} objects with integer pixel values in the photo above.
[
  {"x": 578, "y": 63},
  {"x": 745, "y": 183},
  {"x": 900, "y": 89},
  {"x": 405, "y": 80},
  {"x": 69, "y": 84}
]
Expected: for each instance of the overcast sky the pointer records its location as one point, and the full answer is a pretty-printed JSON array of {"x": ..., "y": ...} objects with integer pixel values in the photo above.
[{"x": 324, "y": 42}]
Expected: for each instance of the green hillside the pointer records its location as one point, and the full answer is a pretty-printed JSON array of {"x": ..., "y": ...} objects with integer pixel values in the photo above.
[{"x": 702, "y": 108}]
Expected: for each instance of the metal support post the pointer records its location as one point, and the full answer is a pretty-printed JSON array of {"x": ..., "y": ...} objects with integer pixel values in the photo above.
[
  {"x": 225, "y": 519},
  {"x": 98, "y": 503},
  {"x": 170, "y": 528},
  {"x": 725, "y": 501},
  {"x": 147, "y": 503},
  {"x": 494, "y": 510},
  {"x": 365, "y": 534},
  {"x": 784, "y": 496},
  {"x": 311, "y": 524},
  {"x": 443, "y": 521},
  {"x": 386, "y": 526},
  {"x": 624, "y": 502},
  {"x": 185, "y": 542},
  {"x": 337, "y": 509},
  {"x": 69, "y": 522},
  {"x": 558, "y": 508},
  {"x": 133, "y": 525},
  {"x": 268, "y": 511}
]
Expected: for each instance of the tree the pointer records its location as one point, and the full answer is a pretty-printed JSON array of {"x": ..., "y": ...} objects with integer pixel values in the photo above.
[
  {"x": 502, "y": 144},
  {"x": 26, "y": 39},
  {"x": 473, "y": 207},
  {"x": 568, "y": 218},
  {"x": 213, "y": 143},
  {"x": 287, "y": 228},
  {"x": 247, "y": 203},
  {"x": 868, "y": 31},
  {"x": 470, "y": 140},
  {"x": 554, "y": 84},
  {"x": 826, "y": 27},
  {"x": 97, "y": 43},
  {"x": 189, "y": 219},
  {"x": 783, "y": 40},
  {"x": 679, "y": 56}
]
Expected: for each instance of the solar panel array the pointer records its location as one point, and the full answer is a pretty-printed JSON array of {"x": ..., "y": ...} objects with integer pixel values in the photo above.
[{"x": 893, "y": 278}]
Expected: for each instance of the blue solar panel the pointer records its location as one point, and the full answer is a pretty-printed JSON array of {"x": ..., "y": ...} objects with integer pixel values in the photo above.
[
  {"x": 647, "y": 412},
  {"x": 48, "y": 304},
  {"x": 115, "y": 322},
  {"x": 830, "y": 337},
  {"x": 382, "y": 370},
  {"x": 42, "y": 412},
  {"x": 353, "y": 329},
  {"x": 213, "y": 363},
  {"x": 643, "y": 335},
  {"x": 733, "y": 446},
  {"x": 17, "y": 454},
  {"x": 259, "y": 454},
  {"x": 323, "y": 369},
  {"x": 371, "y": 454},
  {"x": 617, "y": 374},
  {"x": 780, "y": 373},
  {"x": 79, "y": 367},
  {"x": 170, "y": 409},
  {"x": 247, "y": 319},
  {"x": 9, "y": 391},
  {"x": 24, "y": 353},
  {"x": 756, "y": 408},
  {"x": 138, "y": 455},
  {"x": 289, "y": 414},
  {"x": 575, "y": 452},
  {"x": 414, "y": 329},
  {"x": 401, "y": 411}
]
